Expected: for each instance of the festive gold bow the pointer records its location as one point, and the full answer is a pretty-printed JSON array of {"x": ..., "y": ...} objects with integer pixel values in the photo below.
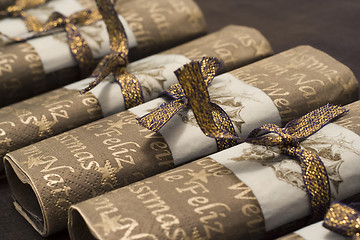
[
  {"x": 80, "y": 49},
  {"x": 116, "y": 61},
  {"x": 313, "y": 170},
  {"x": 17, "y": 10},
  {"x": 78, "y": 45},
  {"x": 343, "y": 220},
  {"x": 194, "y": 79}
]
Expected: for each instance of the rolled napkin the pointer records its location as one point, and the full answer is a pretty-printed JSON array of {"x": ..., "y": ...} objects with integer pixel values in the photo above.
[
  {"x": 64, "y": 108},
  {"x": 240, "y": 193},
  {"x": 341, "y": 222},
  {"x": 27, "y": 23},
  {"x": 45, "y": 63},
  {"x": 115, "y": 151}
]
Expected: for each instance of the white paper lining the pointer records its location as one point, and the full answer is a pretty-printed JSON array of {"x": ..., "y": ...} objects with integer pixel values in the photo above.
[
  {"x": 155, "y": 74},
  {"x": 316, "y": 232},
  {"x": 280, "y": 201},
  {"x": 15, "y": 27},
  {"x": 247, "y": 104},
  {"x": 55, "y": 54}
]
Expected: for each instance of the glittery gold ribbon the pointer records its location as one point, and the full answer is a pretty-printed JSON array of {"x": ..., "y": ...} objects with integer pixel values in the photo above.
[
  {"x": 116, "y": 61},
  {"x": 80, "y": 49},
  {"x": 343, "y": 220},
  {"x": 194, "y": 79},
  {"x": 17, "y": 10},
  {"x": 313, "y": 170}
]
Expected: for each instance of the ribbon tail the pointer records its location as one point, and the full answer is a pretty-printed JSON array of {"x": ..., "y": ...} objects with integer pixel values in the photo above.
[
  {"x": 343, "y": 220},
  {"x": 156, "y": 119},
  {"x": 79, "y": 49},
  {"x": 226, "y": 135},
  {"x": 118, "y": 39},
  {"x": 103, "y": 69},
  {"x": 209, "y": 67},
  {"x": 316, "y": 181},
  {"x": 195, "y": 89},
  {"x": 175, "y": 91},
  {"x": 313, "y": 121},
  {"x": 32, "y": 23}
]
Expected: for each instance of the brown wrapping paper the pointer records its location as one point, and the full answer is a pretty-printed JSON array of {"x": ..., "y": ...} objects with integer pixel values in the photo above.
[
  {"x": 206, "y": 200},
  {"x": 176, "y": 22},
  {"x": 63, "y": 109},
  {"x": 160, "y": 31},
  {"x": 309, "y": 84},
  {"x": 111, "y": 152},
  {"x": 199, "y": 200}
]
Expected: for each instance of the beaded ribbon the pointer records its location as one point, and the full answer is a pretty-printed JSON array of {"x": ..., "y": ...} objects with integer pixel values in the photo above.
[
  {"x": 17, "y": 10},
  {"x": 117, "y": 60},
  {"x": 313, "y": 170},
  {"x": 194, "y": 79},
  {"x": 343, "y": 220}
]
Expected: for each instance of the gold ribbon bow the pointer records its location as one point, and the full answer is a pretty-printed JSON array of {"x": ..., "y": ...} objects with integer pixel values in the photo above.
[
  {"x": 313, "y": 170},
  {"x": 117, "y": 60},
  {"x": 343, "y": 220},
  {"x": 78, "y": 45},
  {"x": 17, "y": 10},
  {"x": 194, "y": 79},
  {"x": 80, "y": 49}
]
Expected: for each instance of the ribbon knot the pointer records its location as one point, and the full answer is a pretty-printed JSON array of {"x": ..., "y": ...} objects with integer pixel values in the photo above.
[
  {"x": 194, "y": 78},
  {"x": 313, "y": 170},
  {"x": 117, "y": 60},
  {"x": 289, "y": 144},
  {"x": 343, "y": 220},
  {"x": 78, "y": 45}
]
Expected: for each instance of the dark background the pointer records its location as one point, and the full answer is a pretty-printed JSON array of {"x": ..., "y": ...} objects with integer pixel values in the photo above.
[{"x": 332, "y": 26}]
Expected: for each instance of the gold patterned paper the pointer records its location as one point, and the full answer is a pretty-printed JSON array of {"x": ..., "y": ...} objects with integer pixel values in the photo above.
[
  {"x": 234, "y": 45},
  {"x": 168, "y": 19},
  {"x": 199, "y": 200},
  {"x": 16, "y": 62},
  {"x": 44, "y": 116},
  {"x": 300, "y": 80},
  {"x": 71, "y": 167},
  {"x": 100, "y": 145},
  {"x": 171, "y": 36},
  {"x": 145, "y": 71}
]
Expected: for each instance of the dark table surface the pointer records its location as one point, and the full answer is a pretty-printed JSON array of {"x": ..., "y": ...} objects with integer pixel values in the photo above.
[{"x": 332, "y": 26}]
